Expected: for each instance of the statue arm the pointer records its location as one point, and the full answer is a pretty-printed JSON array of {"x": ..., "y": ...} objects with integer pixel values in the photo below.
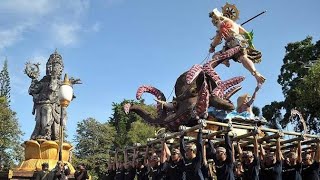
[
  {"x": 253, "y": 96},
  {"x": 216, "y": 41},
  {"x": 35, "y": 87}
]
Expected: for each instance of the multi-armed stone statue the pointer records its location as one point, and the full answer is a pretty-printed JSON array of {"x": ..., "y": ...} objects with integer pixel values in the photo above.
[
  {"x": 49, "y": 115},
  {"x": 46, "y": 105},
  {"x": 45, "y": 94}
]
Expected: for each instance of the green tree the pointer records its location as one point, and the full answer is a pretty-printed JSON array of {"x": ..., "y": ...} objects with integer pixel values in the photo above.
[
  {"x": 93, "y": 143},
  {"x": 309, "y": 93},
  {"x": 5, "y": 82},
  {"x": 299, "y": 57},
  {"x": 122, "y": 122},
  {"x": 11, "y": 152},
  {"x": 140, "y": 132}
]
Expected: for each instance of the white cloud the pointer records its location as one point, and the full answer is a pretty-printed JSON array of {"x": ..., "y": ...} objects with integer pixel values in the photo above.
[
  {"x": 10, "y": 36},
  {"x": 66, "y": 34},
  {"x": 60, "y": 20}
]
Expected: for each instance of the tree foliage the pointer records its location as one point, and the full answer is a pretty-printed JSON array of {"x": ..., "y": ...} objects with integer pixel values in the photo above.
[
  {"x": 298, "y": 75},
  {"x": 140, "y": 132},
  {"x": 5, "y": 81},
  {"x": 11, "y": 151},
  {"x": 122, "y": 122},
  {"x": 93, "y": 142}
]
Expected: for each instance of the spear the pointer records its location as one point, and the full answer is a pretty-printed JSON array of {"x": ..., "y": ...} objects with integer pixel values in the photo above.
[{"x": 253, "y": 18}]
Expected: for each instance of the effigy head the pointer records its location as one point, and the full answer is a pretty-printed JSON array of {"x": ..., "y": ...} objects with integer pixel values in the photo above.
[
  {"x": 242, "y": 99},
  {"x": 216, "y": 17},
  {"x": 54, "y": 66}
]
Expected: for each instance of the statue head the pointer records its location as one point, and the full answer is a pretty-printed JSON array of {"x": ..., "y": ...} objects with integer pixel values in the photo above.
[
  {"x": 54, "y": 66},
  {"x": 216, "y": 17},
  {"x": 242, "y": 100}
]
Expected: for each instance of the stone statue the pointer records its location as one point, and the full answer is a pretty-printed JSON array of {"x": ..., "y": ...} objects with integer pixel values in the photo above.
[{"x": 45, "y": 97}]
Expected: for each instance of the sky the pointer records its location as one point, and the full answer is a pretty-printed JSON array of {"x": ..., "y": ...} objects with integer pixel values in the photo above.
[{"x": 115, "y": 46}]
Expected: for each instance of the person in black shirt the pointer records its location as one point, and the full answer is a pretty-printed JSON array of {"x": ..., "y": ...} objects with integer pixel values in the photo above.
[
  {"x": 311, "y": 167},
  {"x": 129, "y": 169},
  {"x": 142, "y": 166},
  {"x": 110, "y": 173},
  {"x": 174, "y": 167},
  {"x": 205, "y": 166},
  {"x": 223, "y": 159},
  {"x": 119, "y": 168},
  {"x": 81, "y": 173},
  {"x": 238, "y": 172},
  {"x": 293, "y": 168},
  {"x": 250, "y": 161},
  {"x": 192, "y": 158},
  {"x": 60, "y": 172},
  {"x": 271, "y": 166},
  {"x": 44, "y": 173}
]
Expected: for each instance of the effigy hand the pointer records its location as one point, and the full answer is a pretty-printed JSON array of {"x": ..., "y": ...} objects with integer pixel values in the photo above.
[
  {"x": 258, "y": 87},
  {"x": 212, "y": 49},
  {"x": 260, "y": 79}
]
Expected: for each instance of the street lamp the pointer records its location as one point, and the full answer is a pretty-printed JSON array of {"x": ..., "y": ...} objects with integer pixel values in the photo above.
[{"x": 65, "y": 97}]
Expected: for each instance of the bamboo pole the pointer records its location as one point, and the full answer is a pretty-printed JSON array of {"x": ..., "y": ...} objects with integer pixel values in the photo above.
[{"x": 264, "y": 129}]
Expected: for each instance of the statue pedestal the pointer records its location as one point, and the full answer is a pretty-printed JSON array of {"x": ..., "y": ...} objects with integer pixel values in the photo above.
[{"x": 43, "y": 151}]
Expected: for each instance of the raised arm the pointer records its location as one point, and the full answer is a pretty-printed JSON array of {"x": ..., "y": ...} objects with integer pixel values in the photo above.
[
  {"x": 212, "y": 151},
  {"x": 146, "y": 156},
  {"x": 125, "y": 154},
  {"x": 182, "y": 147},
  {"x": 116, "y": 159},
  {"x": 253, "y": 96},
  {"x": 240, "y": 152},
  {"x": 216, "y": 41},
  {"x": 279, "y": 156},
  {"x": 163, "y": 156},
  {"x": 255, "y": 146},
  {"x": 262, "y": 152},
  {"x": 134, "y": 157},
  {"x": 167, "y": 150},
  {"x": 233, "y": 153},
  {"x": 299, "y": 160},
  {"x": 204, "y": 155},
  {"x": 199, "y": 147},
  {"x": 228, "y": 148},
  {"x": 317, "y": 156}
]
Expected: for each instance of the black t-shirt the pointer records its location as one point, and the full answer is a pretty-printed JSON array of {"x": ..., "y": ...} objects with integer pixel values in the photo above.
[
  {"x": 81, "y": 175},
  {"x": 142, "y": 173},
  {"x": 129, "y": 174},
  {"x": 251, "y": 171},
  {"x": 192, "y": 168},
  {"x": 174, "y": 170},
  {"x": 273, "y": 172},
  {"x": 157, "y": 173},
  {"x": 205, "y": 171},
  {"x": 119, "y": 174},
  {"x": 239, "y": 177},
  {"x": 292, "y": 172},
  {"x": 310, "y": 172},
  {"x": 224, "y": 169},
  {"x": 109, "y": 175}
]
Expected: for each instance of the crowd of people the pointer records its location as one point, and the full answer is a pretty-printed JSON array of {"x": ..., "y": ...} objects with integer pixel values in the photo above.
[
  {"x": 205, "y": 159},
  {"x": 61, "y": 172}
]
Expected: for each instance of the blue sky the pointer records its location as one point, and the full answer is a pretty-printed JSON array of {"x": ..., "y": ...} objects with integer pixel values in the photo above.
[{"x": 115, "y": 46}]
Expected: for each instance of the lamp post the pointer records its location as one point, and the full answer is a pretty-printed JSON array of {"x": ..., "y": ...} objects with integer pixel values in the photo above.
[{"x": 65, "y": 97}]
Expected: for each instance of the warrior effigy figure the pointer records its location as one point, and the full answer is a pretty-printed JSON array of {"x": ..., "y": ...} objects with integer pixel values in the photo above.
[{"x": 235, "y": 35}]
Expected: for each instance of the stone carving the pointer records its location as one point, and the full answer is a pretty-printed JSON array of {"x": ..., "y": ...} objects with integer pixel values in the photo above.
[{"x": 46, "y": 106}]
